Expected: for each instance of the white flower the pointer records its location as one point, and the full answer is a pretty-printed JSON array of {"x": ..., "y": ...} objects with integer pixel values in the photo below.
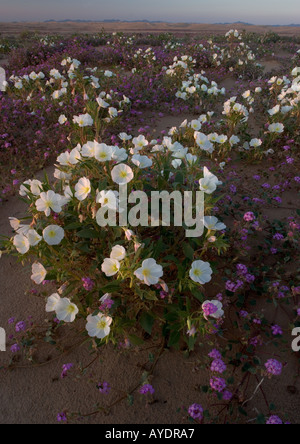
[
  {"x": 82, "y": 188},
  {"x": 108, "y": 199},
  {"x": 98, "y": 326},
  {"x": 38, "y": 273},
  {"x": 255, "y": 143},
  {"x": 65, "y": 310},
  {"x": 212, "y": 223},
  {"x": 118, "y": 252},
  {"x": 53, "y": 235},
  {"x": 150, "y": 272},
  {"x": 33, "y": 237},
  {"x": 208, "y": 185},
  {"x": 83, "y": 120},
  {"x": 122, "y": 174},
  {"x": 118, "y": 154},
  {"x": 103, "y": 153},
  {"x": 201, "y": 272},
  {"x": 196, "y": 125},
  {"x": 219, "y": 313},
  {"x": 62, "y": 119},
  {"x": 276, "y": 128},
  {"x": 21, "y": 243},
  {"x": 125, "y": 136},
  {"x": 102, "y": 103},
  {"x": 142, "y": 161},
  {"x": 88, "y": 150},
  {"x": 49, "y": 201},
  {"x": 52, "y": 302},
  {"x": 35, "y": 187},
  {"x": 110, "y": 267},
  {"x": 140, "y": 142},
  {"x": 113, "y": 112}
]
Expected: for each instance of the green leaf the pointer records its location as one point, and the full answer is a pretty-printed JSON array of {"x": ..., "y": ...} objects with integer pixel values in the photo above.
[
  {"x": 147, "y": 321},
  {"x": 87, "y": 233},
  {"x": 188, "y": 251}
]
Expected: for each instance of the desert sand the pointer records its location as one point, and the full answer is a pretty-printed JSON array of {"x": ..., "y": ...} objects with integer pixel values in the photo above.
[{"x": 9, "y": 29}]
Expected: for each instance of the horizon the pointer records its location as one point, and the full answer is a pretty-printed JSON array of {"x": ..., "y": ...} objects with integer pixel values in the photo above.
[{"x": 268, "y": 13}]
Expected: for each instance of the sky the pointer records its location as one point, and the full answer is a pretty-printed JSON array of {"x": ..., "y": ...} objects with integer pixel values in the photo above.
[{"x": 196, "y": 11}]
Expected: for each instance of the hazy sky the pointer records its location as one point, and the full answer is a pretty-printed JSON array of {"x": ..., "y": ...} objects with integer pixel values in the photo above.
[{"x": 198, "y": 11}]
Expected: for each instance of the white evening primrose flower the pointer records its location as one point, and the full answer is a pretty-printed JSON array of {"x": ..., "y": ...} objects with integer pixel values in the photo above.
[
  {"x": 38, "y": 273},
  {"x": 118, "y": 252},
  {"x": 21, "y": 243},
  {"x": 140, "y": 142},
  {"x": 52, "y": 302},
  {"x": 103, "y": 153},
  {"x": 62, "y": 119},
  {"x": 208, "y": 185},
  {"x": 201, "y": 272},
  {"x": 66, "y": 311},
  {"x": 150, "y": 272},
  {"x": 82, "y": 188},
  {"x": 33, "y": 237},
  {"x": 98, "y": 326},
  {"x": 32, "y": 186},
  {"x": 108, "y": 199},
  {"x": 119, "y": 154},
  {"x": 113, "y": 112},
  {"x": 53, "y": 234},
  {"x": 141, "y": 161},
  {"x": 83, "y": 120},
  {"x": 276, "y": 128},
  {"x": 255, "y": 143},
  {"x": 196, "y": 125},
  {"x": 88, "y": 150},
  {"x": 49, "y": 201},
  {"x": 110, "y": 267},
  {"x": 212, "y": 223},
  {"x": 122, "y": 174},
  {"x": 102, "y": 103},
  {"x": 124, "y": 137},
  {"x": 219, "y": 313}
]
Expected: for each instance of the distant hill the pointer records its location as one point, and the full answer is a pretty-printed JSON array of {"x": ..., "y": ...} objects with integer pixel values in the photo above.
[{"x": 156, "y": 21}]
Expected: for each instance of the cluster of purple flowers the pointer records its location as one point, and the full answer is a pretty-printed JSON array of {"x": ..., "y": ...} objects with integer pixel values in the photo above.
[{"x": 273, "y": 367}]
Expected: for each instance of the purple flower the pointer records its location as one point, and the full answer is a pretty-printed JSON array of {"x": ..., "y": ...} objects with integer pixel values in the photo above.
[
  {"x": 249, "y": 217},
  {"x": 278, "y": 236},
  {"x": 65, "y": 369},
  {"x": 88, "y": 283},
  {"x": 273, "y": 367},
  {"x": 15, "y": 348},
  {"x": 274, "y": 420},
  {"x": 218, "y": 384},
  {"x": 215, "y": 354},
  {"x": 241, "y": 269},
  {"x": 61, "y": 417},
  {"x": 104, "y": 387},
  {"x": 209, "y": 309},
  {"x": 276, "y": 330},
  {"x": 147, "y": 388},
  {"x": 227, "y": 396},
  {"x": 20, "y": 326},
  {"x": 218, "y": 366},
  {"x": 196, "y": 412}
]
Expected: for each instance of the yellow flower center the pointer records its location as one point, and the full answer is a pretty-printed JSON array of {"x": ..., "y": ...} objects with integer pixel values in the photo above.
[
  {"x": 146, "y": 273},
  {"x": 71, "y": 309},
  {"x": 123, "y": 174},
  {"x": 101, "y": 325}
]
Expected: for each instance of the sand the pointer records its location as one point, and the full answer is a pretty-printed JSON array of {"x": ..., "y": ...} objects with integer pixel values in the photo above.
[{"x": 9, "y": 29}]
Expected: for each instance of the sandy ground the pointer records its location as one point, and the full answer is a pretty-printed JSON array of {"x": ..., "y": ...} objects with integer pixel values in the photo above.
[{"x": 7, "y": 29}]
